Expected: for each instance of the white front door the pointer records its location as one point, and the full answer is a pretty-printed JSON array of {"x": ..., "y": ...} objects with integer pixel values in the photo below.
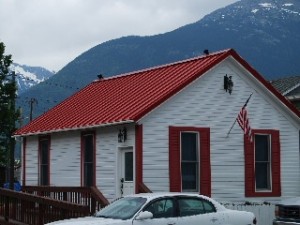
[{"x": 127, "y": 159}]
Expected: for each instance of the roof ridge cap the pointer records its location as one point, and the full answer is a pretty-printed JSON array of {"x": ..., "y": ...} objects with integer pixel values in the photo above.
[{"x": 164, "y": 65}]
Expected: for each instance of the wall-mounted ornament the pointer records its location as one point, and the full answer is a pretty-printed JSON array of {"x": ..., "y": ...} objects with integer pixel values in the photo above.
[
  {"x": 228, "y": 84},
  {"x": 122, "y": 135}
]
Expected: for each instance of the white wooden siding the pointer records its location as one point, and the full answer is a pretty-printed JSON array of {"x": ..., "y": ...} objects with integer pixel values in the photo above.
[
  {"x": 65, "y": 159},
  {"x": 65, "y": 163},
  {"x": 108, "y": 159},
  {"x": 204, "y": 103},
  {"x": 31, "y": 161}
]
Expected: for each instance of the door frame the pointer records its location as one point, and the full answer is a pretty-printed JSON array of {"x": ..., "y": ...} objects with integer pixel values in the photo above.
[{"x": 120, "y": 164}]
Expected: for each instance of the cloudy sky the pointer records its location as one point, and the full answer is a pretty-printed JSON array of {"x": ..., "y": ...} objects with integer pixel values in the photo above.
[{"x": 51, "y": 33}]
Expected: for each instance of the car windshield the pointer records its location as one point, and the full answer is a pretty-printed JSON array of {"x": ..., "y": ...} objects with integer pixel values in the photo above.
[{"x": 123, "y": 208}]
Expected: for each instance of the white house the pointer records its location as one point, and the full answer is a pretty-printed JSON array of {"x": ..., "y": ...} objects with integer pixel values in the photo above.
[{"x": 170, "y": 128}]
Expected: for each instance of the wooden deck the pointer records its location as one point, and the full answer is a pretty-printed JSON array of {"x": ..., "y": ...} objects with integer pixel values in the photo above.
[{"x": 40, "y": 205}]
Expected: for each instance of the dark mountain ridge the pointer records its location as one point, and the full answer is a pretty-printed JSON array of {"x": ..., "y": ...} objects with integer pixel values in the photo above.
[{"x": 265, "y": 33}]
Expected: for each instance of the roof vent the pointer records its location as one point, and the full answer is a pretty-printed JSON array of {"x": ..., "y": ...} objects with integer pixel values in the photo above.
[{"x": 206, "y": 52}]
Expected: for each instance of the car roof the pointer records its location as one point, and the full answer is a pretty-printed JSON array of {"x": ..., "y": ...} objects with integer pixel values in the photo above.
[{"x": 154, "y": 195}]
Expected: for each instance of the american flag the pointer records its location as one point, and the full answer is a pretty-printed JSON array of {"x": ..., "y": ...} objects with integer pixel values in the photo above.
[{"x": 243, "y": 121}]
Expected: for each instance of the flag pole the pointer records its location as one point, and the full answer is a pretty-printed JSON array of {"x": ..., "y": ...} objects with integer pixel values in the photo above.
[
  {"x": 230, "y": 128},
  {"x": 238, "y": 114}
]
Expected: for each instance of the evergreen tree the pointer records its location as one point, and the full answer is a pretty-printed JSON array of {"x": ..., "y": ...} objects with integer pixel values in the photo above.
[{"x": 8, "y": 114}]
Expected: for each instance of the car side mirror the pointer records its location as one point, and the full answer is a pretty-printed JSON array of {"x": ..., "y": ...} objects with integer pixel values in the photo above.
[{"x": 144, "y": 215}]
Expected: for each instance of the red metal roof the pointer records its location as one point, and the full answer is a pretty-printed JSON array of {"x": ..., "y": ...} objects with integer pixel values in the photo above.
[{"x": 128, "y": 97}]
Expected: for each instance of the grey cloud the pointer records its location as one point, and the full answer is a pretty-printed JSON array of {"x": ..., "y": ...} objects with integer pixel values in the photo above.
[{"x": 51, "y": 33}]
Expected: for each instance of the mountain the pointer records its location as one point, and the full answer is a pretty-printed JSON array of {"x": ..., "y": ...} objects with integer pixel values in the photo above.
[
  {"x": 264, "y": 32},
  {"x": 29, "y": 76}
]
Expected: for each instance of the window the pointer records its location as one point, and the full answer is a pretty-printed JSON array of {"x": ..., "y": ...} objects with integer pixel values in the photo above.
[
  {"x": 128, "y": 166},
  {"x": 88, "y": 151},
  {"x": 44, "y": 151},
  {"x": 262, "y": 164},
  {"x": 162, "y": 208},
  {"x": 194, "y": 206},
  {"x": 189, "y": 159}
]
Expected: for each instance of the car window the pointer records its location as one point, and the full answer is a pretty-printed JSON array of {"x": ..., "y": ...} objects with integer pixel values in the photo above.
[
  {"x": 162, "y": 208},
  {"x": 194, "y": 206},
  {"x": 208, "y": 206},
  {"x": 123, "y": 208}
]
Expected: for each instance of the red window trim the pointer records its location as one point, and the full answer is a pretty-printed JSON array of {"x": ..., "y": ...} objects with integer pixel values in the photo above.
[
  {"x": 174, "y": 158},
  {"x": 24, "y": 161},
  {"x": 275, "y": 166},
  {"x": 138, "y": 156},
  {"x": 82, "y": 157},
  {"x": 47, "y": 137}
]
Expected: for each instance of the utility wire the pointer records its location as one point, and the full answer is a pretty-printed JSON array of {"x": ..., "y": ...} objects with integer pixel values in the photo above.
[{"x": 47, "y": 82}]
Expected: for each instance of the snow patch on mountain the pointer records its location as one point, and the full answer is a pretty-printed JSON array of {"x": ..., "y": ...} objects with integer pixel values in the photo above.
[
  {"x": 266, "y": 5},
  {"x": 269, "y": 6},
  {"x": 28, "y": 76},
  {"x": 290, "y": 11},
  {"x": 288, "y": 4}
]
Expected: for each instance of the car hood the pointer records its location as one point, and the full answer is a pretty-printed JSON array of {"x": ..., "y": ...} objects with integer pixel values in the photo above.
[
  {"x": 290, "y": 202},
  {"x": 89, "y": 221}
]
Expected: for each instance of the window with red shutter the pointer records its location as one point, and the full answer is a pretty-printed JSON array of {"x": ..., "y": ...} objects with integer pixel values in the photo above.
[
  {"x": 189, "y": 164},
  {"x": 262, "y": 164}
]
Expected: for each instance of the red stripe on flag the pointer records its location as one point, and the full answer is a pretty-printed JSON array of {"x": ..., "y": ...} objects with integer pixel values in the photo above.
[{"x": 243, "y": 121}]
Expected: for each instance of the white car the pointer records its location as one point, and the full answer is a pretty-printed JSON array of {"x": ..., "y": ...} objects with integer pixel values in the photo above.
[{"x": 166, "y": 209}]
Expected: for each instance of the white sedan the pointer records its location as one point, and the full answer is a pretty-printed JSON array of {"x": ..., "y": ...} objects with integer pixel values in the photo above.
[{"x": 166, "y": 209}]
